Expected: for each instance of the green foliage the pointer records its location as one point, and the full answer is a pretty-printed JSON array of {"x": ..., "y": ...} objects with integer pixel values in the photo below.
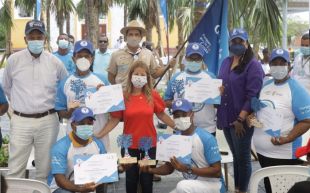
[
  {"x": 2, "y": 36},
  {"x": 4, "y": 156},
  {"x": 6, "y": 139}
]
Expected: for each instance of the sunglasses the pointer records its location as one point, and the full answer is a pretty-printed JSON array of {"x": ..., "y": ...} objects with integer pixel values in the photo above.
[{"x": 103, "y": 41}]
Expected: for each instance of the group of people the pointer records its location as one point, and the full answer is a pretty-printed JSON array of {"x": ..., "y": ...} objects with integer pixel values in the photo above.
[{"x": 42, "y": 87}]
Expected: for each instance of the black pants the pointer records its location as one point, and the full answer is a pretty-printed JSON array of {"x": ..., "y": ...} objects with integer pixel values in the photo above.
[
  {"x": 133, "y": 175},
  {"x": 266, "y": 162}
]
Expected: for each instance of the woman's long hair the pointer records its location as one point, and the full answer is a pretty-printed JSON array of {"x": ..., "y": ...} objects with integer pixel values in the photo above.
[
  {"x": 245, "y": 59},
  {"x": 147, "y": 88}
]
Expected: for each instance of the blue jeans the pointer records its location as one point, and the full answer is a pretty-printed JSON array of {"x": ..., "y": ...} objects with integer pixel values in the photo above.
[{"x": 241, "y": 150}]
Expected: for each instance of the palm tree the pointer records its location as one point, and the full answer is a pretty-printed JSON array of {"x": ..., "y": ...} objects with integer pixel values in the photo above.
[
  {"x": 6, "y": 19},
  {"x": 62, "y": 10}
]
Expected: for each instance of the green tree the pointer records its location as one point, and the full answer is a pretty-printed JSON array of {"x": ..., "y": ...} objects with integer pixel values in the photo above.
[{"x": 6, "y": 19}]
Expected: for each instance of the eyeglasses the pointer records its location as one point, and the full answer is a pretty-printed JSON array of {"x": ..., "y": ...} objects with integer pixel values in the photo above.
[{"x": 103, "y": 41}]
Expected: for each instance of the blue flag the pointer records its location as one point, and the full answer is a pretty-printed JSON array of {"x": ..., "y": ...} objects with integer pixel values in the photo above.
[
  {"x": 164, "y": 11},
  {"x": 38, "y": 10},
  {"x": 212, "y": 33}
]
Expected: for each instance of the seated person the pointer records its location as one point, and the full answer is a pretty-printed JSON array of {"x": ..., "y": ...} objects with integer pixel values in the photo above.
[
  {"x": 204, "y": 174},
  {"x": 78, "y": 142}
]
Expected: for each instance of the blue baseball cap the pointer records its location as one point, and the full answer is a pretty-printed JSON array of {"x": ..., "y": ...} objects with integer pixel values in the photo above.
[
  {"x": 83, "y": 44},
  {"x": 81, "y": 113},
  {"x": 34, "y": 25},
  {"x": 280, "y": 53},
  {"x": 238, "y": 33},
  {"x": 194, "y": 48},
  {"x": 182, "y": 105}
]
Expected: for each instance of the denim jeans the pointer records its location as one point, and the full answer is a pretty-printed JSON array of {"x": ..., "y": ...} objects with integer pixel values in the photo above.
[
  {"x": 133, "y": 175},
  {"x": 241, "y": 150}
]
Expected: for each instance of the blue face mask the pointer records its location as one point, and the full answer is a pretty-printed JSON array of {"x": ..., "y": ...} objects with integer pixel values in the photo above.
[
  {"x": 193, "y": 66},
  {"x": 237, "y": 49},
  {"x": 63, "y": 44},
  {"x": 36, "y": 46},
  {"x": 305, "y": 50},
  {"x": 84, "y": 131},
  {"x": 70, "y": 47}
]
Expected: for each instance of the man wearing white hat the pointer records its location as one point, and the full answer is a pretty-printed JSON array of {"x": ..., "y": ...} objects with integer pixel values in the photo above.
[{"x": 123, "y": 58}]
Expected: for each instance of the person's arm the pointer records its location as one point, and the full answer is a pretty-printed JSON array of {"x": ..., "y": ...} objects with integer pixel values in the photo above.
[
  {"x": 299, "y": 129},
  {"x": 7, "y": 79},
  {"x": 66, "y": 114},
  {"x": 165, "y": 169},
  {"x": 66, "y": 184},
  {"x": 4, "y": 108},
  {"x": 112, "y": 68},
  {"x": 169, "y": 103},
  {"x": 166, "y": 119},
  {"x": 111, "y": 78},
  {"x": 111, "y": 124}
]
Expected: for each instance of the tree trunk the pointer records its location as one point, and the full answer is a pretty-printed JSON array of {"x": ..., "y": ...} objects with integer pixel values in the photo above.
[
  {"x": 8, "y": 46},
  {"x": 42, "y": 16},
  {"x": 148, "y": 27},
  {"x": 93, "y": 21},
  {"x": 125, "y": 12},
  {"x": 68, "y": 23},
  {"x": 158, "y": 30},
  {"x": 60, "y": 22},
  {"x": 199, "y": 10},
  {"x": 180, "y": 42}
]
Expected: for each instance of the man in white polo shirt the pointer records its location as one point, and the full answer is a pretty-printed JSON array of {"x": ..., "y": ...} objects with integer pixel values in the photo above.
[{"x": 29, "y": 81}]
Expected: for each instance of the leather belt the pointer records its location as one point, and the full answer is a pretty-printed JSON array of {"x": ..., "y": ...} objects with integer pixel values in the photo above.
[{"x": 36, "y": 115}]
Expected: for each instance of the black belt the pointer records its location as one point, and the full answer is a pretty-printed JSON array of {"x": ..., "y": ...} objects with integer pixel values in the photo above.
[{"x": 36, "y": 115}]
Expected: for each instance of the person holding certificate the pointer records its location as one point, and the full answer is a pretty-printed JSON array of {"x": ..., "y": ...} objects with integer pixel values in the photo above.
[
  {"x": 204, "y": 113},
  {"x": 72, "y": 91},
  {"x": 284, "y": 113},
  {"x": 242, "y": 77},
  {"x": 204, "y": 174},
  {"x": 141, "y": 103},
  {"x": 78, "y": 142}
]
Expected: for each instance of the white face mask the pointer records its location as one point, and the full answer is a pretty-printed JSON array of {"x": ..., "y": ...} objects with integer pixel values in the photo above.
[
  {"x": 278, "y": 72},
  {"x": 138, "y": 81},
  {"x": 63, "y": 44},
  {"x": 133, "y": 41},
  {"x": 83, "y": 64},
  {"x": 182, "y": 123}
]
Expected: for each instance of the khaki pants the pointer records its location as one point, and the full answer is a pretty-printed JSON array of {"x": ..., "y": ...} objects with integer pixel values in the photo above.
[{"x": 26, "y": 133}]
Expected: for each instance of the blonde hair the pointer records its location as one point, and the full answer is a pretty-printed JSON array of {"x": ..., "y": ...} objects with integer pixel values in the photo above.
[{"x": 147, "y": 88}]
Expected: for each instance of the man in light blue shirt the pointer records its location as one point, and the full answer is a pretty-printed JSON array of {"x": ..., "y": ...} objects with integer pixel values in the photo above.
[
  {"x": 102, "y": 56},
  {"x": 64, "y": 54}
]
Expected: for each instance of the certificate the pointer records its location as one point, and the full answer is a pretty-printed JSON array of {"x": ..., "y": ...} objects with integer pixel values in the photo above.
[
  {"x": 271, "y": 121},
  {"x": 106, "y": 99},
  {"x": 203, "y": 90},
  {"x": 169, "y": 145},
  {"x": 99, "y": 168}
]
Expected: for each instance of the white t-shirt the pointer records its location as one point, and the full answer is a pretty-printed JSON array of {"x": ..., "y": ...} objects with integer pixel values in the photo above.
[
  {"x": 204, "y": 114},
  {"x": 75, "y": 88},
  {"x": 291, "y": 103}
]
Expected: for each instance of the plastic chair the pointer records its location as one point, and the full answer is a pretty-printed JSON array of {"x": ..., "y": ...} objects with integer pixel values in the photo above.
[
  {"x": 282, "y": 178},
  {"x": 20, "y": 185}
]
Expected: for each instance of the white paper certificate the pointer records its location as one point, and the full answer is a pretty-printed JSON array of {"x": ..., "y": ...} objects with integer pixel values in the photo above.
[
  {"x": 202, "y": 90},
  {"x": 271, "y": 120},
  {"x": 169, "y": 145},
  {"x": 100, "y": 168},
  {"x": 106, "y": 99}
]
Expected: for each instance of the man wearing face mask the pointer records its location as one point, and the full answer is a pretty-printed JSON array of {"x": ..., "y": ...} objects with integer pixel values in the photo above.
[
  {"x": 71, "y": 42},
  {"x": 204, "y": 174},
  {"x": 79, "y": 141},
  {"x": 29, "y": 82},
  {"x": 301, "y": 65},
  {"x": 64, "y": 54},
  {"x": 72, "y": 91},
  {"x": 204, "y": 114},
  {"x": 287, "y": 103},
  {"x": 122, "y": 59}
]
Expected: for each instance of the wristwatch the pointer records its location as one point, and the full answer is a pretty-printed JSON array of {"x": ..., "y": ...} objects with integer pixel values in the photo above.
[{"x": 189, "y": 169}]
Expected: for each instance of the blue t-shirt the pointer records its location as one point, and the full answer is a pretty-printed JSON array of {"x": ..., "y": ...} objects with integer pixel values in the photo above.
[
  {"x": 62, "y": 157},
  {"x": 67, "y": 61},
  {"x": 3, "y": 99}
]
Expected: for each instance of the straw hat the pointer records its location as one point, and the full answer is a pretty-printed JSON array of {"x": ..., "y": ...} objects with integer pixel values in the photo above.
[{"x": 133, "y": 24}]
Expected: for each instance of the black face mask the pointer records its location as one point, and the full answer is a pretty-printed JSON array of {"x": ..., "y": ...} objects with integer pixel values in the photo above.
[{"x": 237, "y": 49}]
